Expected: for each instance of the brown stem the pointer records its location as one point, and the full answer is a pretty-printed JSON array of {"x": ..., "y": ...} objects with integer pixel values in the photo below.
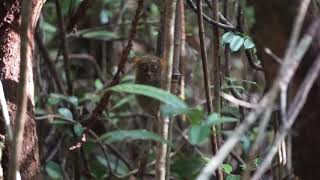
[
  {"x": 215, "y": 137},
  {"x": 50, "y": 64},
  {"x": 214, "y": 140},
  {"x": 102, "y": 104},
  {"x": 64, "y": 47}
]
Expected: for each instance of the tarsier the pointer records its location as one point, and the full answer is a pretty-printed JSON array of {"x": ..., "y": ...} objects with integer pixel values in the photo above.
[{"x": 148, "y": 73}]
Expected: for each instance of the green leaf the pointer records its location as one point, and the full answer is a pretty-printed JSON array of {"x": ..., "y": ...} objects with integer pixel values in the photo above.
[
  {"x": 248, "y": 44},
  {"x": 54, "y": 170},
  {"x": 115, "y": 163},
  {"x": 233, "y": 177},
  {"x": 187, "y": 167},
  {"x": 104, "y": 16},
  {"x": 227, "y": 37},
  {"x": 215, "y": 119},
  {"x": 73, "y": 99},
  {"x": 98, "y": 84},
  {"x": 55, "y": 98},
  {"x": 236, "y": 43},
  {"x": 227, "y": 168},
  {"x": 78, "y": 129},
  {"x": 99, "y": 35},
  {"x": 140, "y": 134},
  {"x": 195, "y": 115},
  {"x": 122, "y": 102},
  {"x": 65, "y": 112},
  {"x": 198, "y": 134},
  {"x": 152, "y": 92},
  {"x": 154, "y": 10}
]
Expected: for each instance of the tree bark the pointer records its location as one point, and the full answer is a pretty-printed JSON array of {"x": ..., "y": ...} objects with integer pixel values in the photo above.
[{"x": 10, "y": 24}]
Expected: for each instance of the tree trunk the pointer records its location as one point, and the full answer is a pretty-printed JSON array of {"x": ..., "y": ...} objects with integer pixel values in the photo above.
[
  {"x": 9, "y": 72},
  {"x": 274, "y": 22}
]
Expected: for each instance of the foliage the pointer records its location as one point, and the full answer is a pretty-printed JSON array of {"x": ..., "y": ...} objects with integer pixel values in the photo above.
[{"x": 113, "y": 147}]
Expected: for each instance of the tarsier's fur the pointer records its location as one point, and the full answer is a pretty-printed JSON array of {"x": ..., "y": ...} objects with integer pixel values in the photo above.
[{"x": 149, "y": 73}]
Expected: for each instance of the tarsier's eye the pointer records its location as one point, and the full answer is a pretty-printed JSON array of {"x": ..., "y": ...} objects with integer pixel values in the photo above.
[{"x": 154, "y": 68}]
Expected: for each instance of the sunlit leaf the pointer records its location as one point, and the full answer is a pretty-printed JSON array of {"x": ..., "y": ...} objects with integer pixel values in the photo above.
[
  {"x": 248, "y": 44},
  {"x": 65, "y": 112},
  {"x": 98, "y": 84},
  {"x": 104, "y": 16},
  {"x": 227, "y": 168},
  {"x": 236, "y": 43},
  {"x": 227, "y": 37}
]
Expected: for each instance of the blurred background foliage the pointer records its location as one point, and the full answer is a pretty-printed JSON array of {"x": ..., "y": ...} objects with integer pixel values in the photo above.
[{"x": 114, "y": 148}]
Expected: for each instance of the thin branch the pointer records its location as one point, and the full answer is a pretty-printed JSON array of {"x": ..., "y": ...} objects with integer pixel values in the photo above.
[
  {"x": 25, "y": 61},
  {"x": 49, "y": 62},
  {"x": 274, "y": 56},
  {"x": 227, "y": 27},
  {"x": 239, "y": 102},
  {"x": 102, "y": 104},
  {"x": 251, "y": 61},
  {"x": 64, "y": 47},
  {"x": 215, "y": 136},
  {"x": 5, "y": 113},
  {"x": 214, "y": 139}
]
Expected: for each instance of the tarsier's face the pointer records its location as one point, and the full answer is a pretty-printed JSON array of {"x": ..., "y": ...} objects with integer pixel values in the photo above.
[{"x": 149, "y": 70}]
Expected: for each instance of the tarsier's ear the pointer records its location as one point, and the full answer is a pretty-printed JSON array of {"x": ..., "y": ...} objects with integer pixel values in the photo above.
[{"x": 136, "y": 59}]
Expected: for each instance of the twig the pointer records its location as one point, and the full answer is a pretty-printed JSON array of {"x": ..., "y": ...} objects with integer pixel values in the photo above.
[
  {"x": 5, "y": 113},
  {"x": 238, "y": 101},
  {"x": 274, "y": 56},
  {"x": 25, "y": 58},
  {"x": 252, "y": 61},
  {"x": 215, "y": 136},
  {"x": 48, "y": 61},
  {"x": 64, "y": 47},
  {"x": 214, "y": 139},
  {"x": 227, "y": 27}
]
